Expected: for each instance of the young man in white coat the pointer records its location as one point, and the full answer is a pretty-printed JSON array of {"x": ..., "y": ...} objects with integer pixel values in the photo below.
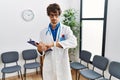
[{"x": 59, "y": 38}]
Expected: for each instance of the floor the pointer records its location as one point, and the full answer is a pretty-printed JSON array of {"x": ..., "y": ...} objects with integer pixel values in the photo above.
[{"x": 34, "y": 76}]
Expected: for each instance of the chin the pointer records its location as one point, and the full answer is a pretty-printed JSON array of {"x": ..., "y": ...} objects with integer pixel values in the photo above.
[{"x": 54, "y": 23}]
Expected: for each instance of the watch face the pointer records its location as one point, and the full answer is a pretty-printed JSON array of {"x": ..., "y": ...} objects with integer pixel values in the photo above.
[{"x": 28, "y": 15}]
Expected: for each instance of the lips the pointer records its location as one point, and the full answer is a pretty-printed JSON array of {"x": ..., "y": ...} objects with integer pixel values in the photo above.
[{"x": 53, "y": 20}]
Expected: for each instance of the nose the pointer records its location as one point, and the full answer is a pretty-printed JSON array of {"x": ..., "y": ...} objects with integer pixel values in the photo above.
[{"x": 54, "y": 17}]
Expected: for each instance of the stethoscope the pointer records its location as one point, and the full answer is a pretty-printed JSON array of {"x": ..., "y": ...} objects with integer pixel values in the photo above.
[{"x": 49, "y": 31}]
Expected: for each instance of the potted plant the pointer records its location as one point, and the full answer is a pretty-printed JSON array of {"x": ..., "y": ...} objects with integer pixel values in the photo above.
[{"x": 69, "y": 18}]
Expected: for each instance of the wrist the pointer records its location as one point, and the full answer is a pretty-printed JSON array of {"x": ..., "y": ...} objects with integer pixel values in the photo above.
[
  {"x": 40, "y": 51},
  {"x": 54, "y": 44}
]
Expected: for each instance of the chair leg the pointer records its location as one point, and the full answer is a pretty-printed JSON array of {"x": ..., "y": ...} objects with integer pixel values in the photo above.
[
  {"x": 41, "y": 72},
  {"x": 79, "y": 77},
  {"x": 3, "y": 76},
  {"x": 110, "y": 77},
  {"x": 76, "y": 74},
  {"x": 36, "y": 71},
  {"x": 25, "y": 74},
  {"x": 18, "y": 75},
  {"x": 21, "y": 75}
]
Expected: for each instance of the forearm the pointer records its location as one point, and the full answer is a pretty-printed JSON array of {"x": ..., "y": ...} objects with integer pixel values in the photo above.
[
  {"x": 41, "y": 47},
  {"x": 44, "y": 47},
  {"x": 39, "y": 50},
  {"x": 56, "y": 44}
]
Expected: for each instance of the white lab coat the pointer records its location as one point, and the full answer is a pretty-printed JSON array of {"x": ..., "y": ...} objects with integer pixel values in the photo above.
[{"x": 56, "y": 64}]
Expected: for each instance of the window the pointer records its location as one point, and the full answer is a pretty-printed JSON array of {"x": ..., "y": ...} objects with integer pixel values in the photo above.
[{"x": 93, "y": 14}]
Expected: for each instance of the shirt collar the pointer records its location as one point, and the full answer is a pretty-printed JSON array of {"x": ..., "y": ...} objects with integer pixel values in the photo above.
[{"x": 57, "y": 26}]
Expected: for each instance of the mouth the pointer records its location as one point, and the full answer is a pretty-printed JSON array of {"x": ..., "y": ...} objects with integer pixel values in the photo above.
[{"x": 54, "y": 21}]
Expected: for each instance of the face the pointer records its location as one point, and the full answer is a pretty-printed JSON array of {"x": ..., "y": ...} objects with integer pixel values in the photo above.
[{"x": 54, "y": 17}]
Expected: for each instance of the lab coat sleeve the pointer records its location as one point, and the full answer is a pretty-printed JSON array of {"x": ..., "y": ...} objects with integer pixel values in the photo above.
[
  {"x": 70, "y": 41},
  {"x": 40, "y": 40}
]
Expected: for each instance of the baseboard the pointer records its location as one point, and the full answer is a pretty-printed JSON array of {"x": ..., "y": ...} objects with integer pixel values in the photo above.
[{"x": 16, "y": 76}]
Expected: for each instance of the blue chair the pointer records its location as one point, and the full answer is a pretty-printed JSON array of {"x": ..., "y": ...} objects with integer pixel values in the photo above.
[
  {"x": 98, "y": 62},
  {"x": 84, "y": 56},
  {"x": 10, "y": 57},
  {"x": 30, "y": 54},
  {"x": 114, "y": 70}
]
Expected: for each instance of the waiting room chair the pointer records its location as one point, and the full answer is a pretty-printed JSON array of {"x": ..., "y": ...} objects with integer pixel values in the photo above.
[
  {"x": 98, "y": 62},
  {"x": 84, "y": 56},
  {"x": 114, "y": 70},
  {"x": 30, "y": 54},
  {"x": 10, "y": 57}
]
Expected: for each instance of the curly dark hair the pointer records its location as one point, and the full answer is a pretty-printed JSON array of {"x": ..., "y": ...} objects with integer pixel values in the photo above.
[{"x": 53, "y": 8}]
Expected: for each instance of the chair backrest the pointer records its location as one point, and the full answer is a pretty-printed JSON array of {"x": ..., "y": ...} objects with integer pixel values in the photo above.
[
  {"x": 114, "y": 69},
  {"x": 100, "y": 62},
  {"x": 85, "y": 56},
  {"x": 9, "y": 57},
  {"x": 29, "y": 54}
]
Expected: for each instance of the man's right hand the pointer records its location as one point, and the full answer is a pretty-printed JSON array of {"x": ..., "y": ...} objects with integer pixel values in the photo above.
[{"x": 41, "y": 47}]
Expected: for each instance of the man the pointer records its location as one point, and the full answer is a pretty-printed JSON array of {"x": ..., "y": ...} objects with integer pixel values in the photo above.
[{"x": 59, "y": 38}]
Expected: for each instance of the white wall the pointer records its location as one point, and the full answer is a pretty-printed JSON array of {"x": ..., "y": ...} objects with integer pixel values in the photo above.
[
  {"x": 112, "y": 48},
  {"x": 75, "y": 4},
  {"x": 14, "y": 31}
]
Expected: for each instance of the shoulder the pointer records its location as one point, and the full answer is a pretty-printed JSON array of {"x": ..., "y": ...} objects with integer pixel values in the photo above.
[
  {"x": 65, "y": 27},
  {"x": 42, "y": 31}
]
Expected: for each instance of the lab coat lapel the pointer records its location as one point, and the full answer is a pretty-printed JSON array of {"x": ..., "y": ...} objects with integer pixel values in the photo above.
[{"x": 50, "y": 35}]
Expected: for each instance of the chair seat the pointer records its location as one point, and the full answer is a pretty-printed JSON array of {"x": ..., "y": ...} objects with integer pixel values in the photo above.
[
  {"x": 11, "y": 69},
  {"x": 32, "y": 65},
  {"x": 77, "y": 65},
  {"x": 90, "y": 74}
]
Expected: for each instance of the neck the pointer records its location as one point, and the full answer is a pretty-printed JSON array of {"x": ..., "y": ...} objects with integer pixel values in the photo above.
[{"x": 54, "y": 25}]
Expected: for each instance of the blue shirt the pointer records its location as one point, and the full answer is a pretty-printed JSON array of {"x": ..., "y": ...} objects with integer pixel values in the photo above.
[{"x": 54, "y": 32}]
